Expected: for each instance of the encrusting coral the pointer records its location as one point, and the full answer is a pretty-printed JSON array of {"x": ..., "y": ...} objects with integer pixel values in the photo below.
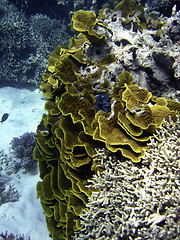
[
  {"x": 76, "y": 123},
  {"x": 137, "y": 201}
]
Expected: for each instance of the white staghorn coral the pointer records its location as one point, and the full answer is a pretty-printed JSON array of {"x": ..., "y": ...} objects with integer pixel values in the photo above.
[{"x": 137, "y": 201}]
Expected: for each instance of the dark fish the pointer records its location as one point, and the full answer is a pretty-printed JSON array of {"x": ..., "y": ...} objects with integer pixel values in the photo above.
[{"x": 4, "y": 117}]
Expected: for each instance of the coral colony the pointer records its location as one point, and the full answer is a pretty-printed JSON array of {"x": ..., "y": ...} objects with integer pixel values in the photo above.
[
  {"x": 137, "y": 202},
  {"x": 8, "y": 193},
  {"x": 21, "y": 157},
  {"x": 23, "y": 147},
  {"x": 26, "y": 41},
  {"x": 108, "y": 148},
  {"x": 11, "y": 236}
]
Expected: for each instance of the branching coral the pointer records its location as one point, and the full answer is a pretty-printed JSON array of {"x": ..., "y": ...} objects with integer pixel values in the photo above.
[
  {"x": 21, "y": 155},
  {"x": 26, "y": 42},
  {"x": 8, "y": 193},
  {"x": 11, "y": 236},
  {"x": 137, "y": 201},
  {"x": 23, "y": 147}
]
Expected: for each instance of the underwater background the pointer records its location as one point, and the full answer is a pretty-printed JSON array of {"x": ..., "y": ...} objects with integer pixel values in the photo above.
[{"x": 89, "y": 132}]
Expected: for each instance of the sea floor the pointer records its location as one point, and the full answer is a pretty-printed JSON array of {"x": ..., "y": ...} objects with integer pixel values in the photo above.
[{"x": 25, "y": 108}]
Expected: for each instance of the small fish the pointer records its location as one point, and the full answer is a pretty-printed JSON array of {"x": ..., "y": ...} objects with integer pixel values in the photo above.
[{"x": 4, "y": 117}]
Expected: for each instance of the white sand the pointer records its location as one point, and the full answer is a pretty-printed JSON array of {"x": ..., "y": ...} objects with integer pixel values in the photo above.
[{"x": 25, "y": 109}]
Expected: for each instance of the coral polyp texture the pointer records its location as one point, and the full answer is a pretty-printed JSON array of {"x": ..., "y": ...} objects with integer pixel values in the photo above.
[
  {"x": 137, "y": 202},
  {"x": 92, "y": 102}
]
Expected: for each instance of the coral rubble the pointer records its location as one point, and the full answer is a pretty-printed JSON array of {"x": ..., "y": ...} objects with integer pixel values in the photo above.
[{"x": 137, "y": 202}]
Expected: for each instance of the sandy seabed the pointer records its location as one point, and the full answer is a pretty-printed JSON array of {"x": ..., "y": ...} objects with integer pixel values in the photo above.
[{"x": 25, "y": 109}]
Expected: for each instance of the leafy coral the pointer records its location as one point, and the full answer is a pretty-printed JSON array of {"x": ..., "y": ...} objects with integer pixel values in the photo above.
[
  {"x": 128, "y": 7},
  {"x": 72, "y": 129},
  {"x": 85, "y": 21}
]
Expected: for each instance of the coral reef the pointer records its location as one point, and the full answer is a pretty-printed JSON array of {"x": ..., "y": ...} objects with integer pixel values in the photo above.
[
  {"x": 26, "y": 43},
  {"x": 151, "y": 56},
  {"x": 25, "y": 50},
  {"x": 23, "y": 148},
  {"x": 137, "y": 201},
  {"x": 95, "y": 69},
  {"x": 162, "y": 6}
]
